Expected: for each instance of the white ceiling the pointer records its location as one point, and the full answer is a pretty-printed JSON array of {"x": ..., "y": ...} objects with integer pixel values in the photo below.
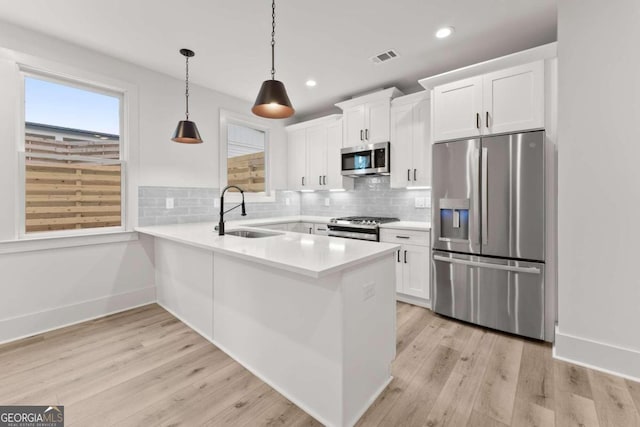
[{"x": 330, "y": 40}]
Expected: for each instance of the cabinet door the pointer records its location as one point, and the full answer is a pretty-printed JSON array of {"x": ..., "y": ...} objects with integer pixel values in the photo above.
[
  {"x": 316, "y": 156},
  {"x": 301, "y": 227},
  {"x": 457, "y": 108},
  {"x": 421, "y": 143},
  {"x": 415, "y": 271},
  {"x": 377, "y": 121},
  {"x": 297, "y": 159},
  {"x": 281, "y": 227},
  {"x": 335, "y": 180},
  {"x": 320, "y": 229},
  {"x": 514, "y": 99},
  {"x": 354, "y": 126},
  {"x": 401, "y": 143},
  {"x": 397, "y": 256}
]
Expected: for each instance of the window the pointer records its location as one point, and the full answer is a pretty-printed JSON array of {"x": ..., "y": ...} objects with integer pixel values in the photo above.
[
  {"x": 73, "y": 168},
  {"x": 245, "y": 153},
  {"x": 246, "y": 158}
]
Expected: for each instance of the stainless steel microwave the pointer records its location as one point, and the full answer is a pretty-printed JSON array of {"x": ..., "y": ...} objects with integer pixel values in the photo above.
[{"x": 371, "y": 159}]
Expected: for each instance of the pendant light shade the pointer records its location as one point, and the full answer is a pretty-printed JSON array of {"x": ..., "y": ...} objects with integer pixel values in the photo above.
[
  {"x": 187, "y": 131},
  {"x": 272, "y": 101}
]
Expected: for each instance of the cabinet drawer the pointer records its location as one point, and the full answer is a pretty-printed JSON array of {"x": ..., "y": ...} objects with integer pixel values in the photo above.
[{"x": 409, "y": 237}]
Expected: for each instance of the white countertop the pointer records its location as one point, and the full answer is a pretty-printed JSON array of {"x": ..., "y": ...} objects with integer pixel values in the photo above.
[
  {"x": 408, "y": 225},
  {"x": 307, "y": 254}
]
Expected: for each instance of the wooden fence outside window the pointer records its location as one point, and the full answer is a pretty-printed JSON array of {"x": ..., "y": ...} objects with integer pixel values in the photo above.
[{"x": 67, "y": 189}]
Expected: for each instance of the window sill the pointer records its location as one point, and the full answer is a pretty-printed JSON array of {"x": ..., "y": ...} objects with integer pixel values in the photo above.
[{"x": 50, "y": 242}]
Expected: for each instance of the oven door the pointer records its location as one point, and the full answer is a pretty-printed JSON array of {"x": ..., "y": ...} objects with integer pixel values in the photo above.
[
  {"x": 372, "y": 159},
  {"x": 353, "y": 232}
]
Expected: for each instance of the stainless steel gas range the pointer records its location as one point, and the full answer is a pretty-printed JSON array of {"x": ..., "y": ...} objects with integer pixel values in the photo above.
[{"x": 358, "y": 227}]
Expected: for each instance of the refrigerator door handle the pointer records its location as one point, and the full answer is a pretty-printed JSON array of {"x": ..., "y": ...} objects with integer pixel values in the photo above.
[
  {"x": 529, "y": 270},
  {"x": 475, "y": 231},
  {"x": 484, "y": 195}
]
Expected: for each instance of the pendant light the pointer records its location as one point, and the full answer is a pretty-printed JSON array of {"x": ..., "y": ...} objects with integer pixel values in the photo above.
[
  {"x": 187, "y": 131},
  {"x": 272, "y": 101}
]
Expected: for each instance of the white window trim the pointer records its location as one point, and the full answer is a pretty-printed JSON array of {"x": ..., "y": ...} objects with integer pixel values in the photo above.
[
  {"x": 263, "y": 125},
  {"x": 129, "y": 136}
]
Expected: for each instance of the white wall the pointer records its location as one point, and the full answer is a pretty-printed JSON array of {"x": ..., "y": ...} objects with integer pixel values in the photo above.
[
  {"x": 49, "y": 288},
  {"x": 599, "y": 184}
]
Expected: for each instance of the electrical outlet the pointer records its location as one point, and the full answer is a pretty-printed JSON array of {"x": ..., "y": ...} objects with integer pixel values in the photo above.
[
  {"x": 420, "y": 202},
  {"x": 287, "y": 201},
  {"x": 169, "y": 203},
  {"x": 368, "y": 291},
  {"x": 327, "y": 201}
]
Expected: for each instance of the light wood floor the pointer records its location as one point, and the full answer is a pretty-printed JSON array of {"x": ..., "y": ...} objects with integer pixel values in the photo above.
[{"x": 144, "y": 367}]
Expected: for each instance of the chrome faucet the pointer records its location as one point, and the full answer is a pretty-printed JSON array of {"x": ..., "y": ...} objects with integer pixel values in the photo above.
[{"x": 222, "y": 211}]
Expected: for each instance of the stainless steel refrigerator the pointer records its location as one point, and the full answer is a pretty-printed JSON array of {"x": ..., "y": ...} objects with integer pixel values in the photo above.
[{"x": 488, "y": 204}]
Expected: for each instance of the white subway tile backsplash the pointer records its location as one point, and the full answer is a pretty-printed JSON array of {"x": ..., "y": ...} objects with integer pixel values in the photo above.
[{"x": 371, "y": 196}]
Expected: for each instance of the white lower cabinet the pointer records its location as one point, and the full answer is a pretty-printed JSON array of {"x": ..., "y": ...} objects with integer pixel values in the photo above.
[
  {"x": 282, "y": 227},
  {"x": 301, "y": 227},
  {"x": 321, "y": 229},
  {"x": 413, "y": 264}
]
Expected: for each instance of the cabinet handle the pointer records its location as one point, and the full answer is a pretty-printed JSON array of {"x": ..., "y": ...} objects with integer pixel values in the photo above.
[
  {"x": 361, "y": 135},
  {"x": 398, "y": 252},
  {"x": 405, "y": 257},
  {"x": 478, "y": 120},
  {"x": 408, "y": 174},
  {"x": 414, "y": 174},
  {"x": 366, "y": 134},
  {"x": 487, "y": 120},
  {"x": 303, "y": 181},
  {"x": 310, "y": 230},
  {"x": 324, "y": 179},
  {"x": 322, "y": 229},
  {"x": 403, "y": 237},
  {"x": 319, "y": 179}
]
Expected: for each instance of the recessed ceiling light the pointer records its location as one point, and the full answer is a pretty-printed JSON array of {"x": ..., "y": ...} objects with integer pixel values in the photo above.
[
  {"x": 311, "y": 83},
  {"x": 444, "y": 32}
]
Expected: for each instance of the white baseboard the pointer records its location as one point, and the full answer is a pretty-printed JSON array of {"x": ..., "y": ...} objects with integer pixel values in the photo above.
[
  {"x": 596, "y": 355},
  {"x": 414, "y": 300},
  {"x": 44, "y": 321}
]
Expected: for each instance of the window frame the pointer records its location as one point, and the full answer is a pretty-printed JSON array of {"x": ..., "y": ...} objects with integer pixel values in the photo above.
[
  {"x": 227, "y": 117},
  {"x": 84, "y": 81}
]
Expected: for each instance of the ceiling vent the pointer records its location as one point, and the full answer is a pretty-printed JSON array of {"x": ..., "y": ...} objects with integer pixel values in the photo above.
[{"x": 384, "y": 56}]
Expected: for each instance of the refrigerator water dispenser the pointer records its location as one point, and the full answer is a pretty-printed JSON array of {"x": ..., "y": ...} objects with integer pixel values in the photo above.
[{"x": 454, "y": 220}]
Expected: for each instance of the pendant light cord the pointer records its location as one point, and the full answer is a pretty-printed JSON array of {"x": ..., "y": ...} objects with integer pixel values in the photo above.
[
  {"x": 186, "y": 93},
  {"x": 273, "y": 39}
]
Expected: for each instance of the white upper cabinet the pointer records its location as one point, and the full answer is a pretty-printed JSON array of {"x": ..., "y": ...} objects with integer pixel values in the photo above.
[
  {"x": 367, "y": 118},
  {"x": 456, "y": 109},
  {"x": 297, "y": 149},
  {"x": 335, "y": 180},
  {"x": 317, "y": 156},
  {"x": 503, "y": 101},
  {"x": 411, "y": 141},
  {"x": 314, "y": 155},
  {"x": 354, "y": 124},
  {"x": 513, "y": 99}
]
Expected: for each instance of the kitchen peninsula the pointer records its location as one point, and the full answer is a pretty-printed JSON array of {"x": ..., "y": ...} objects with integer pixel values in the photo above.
[{"x": 313, "y": 316}]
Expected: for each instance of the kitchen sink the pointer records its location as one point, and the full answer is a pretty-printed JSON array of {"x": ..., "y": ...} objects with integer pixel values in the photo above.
[{"x": 251, "y": 234}]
